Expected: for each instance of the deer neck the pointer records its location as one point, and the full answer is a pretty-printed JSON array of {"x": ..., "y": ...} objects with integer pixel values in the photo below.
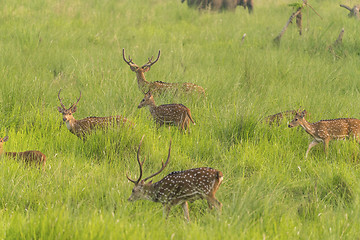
[
  {"x": 70, "y": 123},
  {"x": 150, "y": 192},
  {"x": 142, "y": 83},
  {"x": 308, "y": 127},
  {"x": 152, "y": 107}
]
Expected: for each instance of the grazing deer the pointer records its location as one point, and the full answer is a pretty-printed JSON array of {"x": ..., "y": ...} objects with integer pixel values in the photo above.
[
  {"x": 176, "y": 114},
  {"x": 278, "y": 117},
  {"x": 30, "y": 157},
  {"x": 159, "y": 87},
  {"x": 326, "y": 130},
  {"x": 84, "y": 126},
  {"x": 178, "y": 187}
]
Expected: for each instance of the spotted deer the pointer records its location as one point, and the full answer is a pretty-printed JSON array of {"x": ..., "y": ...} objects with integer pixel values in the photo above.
[
  {"x": 176, "y": 114},
  {"x": 278, "y": 117},
  {"x": 81, "y": 128},
  {"x": 178, "y": 187},
  {"x": 158, "y": 87},
  {"x": 326, "y": 130},
  {"x": 29, "y": 157}
]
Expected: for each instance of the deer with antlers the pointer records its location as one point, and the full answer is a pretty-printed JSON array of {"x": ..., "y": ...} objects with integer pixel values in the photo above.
[
  {"x": 176, "y": 114},
  {"x": 29, "y": 157},
  {"x": 326, "y": 130},
  {"x": 85, "y": 126},
  {"x": 178, "y": 187},
  {"x": 159, "y": 87}
]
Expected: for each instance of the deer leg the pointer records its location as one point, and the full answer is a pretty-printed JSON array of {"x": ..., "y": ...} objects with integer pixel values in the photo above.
[
  {"x": 326, "y": 146},
  {"x": 214, "y": 202},
  {"x": 185, "y": 207},
  {"x": 166, "y": 210},
  {"x": 312, "y": 144}
]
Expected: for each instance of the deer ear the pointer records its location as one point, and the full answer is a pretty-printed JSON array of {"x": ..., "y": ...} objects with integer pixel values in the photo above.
[
  {"x": 60, "y": 109},
  {"x": 73, "y": 109},
  {"x": 6, "y": 138},
  {"x": 303, "y": 113}
]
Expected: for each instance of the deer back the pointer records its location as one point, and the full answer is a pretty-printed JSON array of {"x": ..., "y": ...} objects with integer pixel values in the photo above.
[
  {"x": 159, "y": 87},
  {"x": 30, "y": 157},
  {"x": 337, "y": 128},
  {"x": 187, "y": 185},
  {"x": 177, "y": 114},
  {"x": 86, "y": 125}
]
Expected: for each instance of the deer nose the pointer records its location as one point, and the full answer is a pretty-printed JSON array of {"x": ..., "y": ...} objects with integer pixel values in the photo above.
[
  {"x": 289, "y": 126},
  {"x": 64, "y": 119}
]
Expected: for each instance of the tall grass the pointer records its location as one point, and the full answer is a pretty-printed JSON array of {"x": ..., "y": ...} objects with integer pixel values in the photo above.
[{"x": 270, "y": 190}]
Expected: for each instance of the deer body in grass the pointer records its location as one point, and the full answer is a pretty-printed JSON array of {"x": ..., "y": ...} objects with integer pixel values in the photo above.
[
  {"x": 178, "y": 188},
  {"x": 278, "y": 117},
  {"x": 159, "y": 87},
  {"x": 326, "y": 130},
  {"x": 176, "y": 114},
  {"x": 29, "y": 157},
  {"x": 85, "y": 126}
]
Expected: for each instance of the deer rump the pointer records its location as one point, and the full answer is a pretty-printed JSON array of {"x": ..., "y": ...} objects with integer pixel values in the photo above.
[{"x": 189, "y": 185}]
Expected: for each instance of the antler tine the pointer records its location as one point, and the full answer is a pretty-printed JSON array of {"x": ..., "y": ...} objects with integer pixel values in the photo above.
[
  {"x": 163, "y": 165},
  {"x": 78, "y": 99},
  {"x": 62, "y": 105},
  {"x": 150, "y": 62},
  {"x": 130, "y": 60},
  {"x": 140, "y": 164}
]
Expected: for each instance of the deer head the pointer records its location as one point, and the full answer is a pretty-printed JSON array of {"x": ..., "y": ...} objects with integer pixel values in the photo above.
[
  {"x": 148, "y": 99},
  {"x": 141, "y": 189},
  {"x": 144, "y": 68},
  {"x": 299, "y": 117},
  {"x": 67, "y": 112}
]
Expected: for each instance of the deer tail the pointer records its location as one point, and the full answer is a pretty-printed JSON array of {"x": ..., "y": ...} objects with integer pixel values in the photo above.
[{"x": 189, "y": 115}]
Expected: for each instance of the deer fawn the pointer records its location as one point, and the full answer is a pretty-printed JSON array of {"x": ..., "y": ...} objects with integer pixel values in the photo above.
[
  {"x": 326, "y": 130},
  {"x": 278, "y": 117},
  {"x": 84, "y": 126},
  {"x": 176, "y": 114},
  {"x": 159, "y": 87},
  {"x": 178, "y": 187},
  {"x": 29, "y": 157}
]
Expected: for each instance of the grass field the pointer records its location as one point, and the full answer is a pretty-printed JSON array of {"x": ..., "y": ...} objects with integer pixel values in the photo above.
[{"x": 270, "y": 191}]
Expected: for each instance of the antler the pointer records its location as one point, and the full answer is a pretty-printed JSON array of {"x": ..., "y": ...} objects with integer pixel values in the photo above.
[
  {"x": 130, "y": 60},
  {"x": 162, "y": 163},
  {"x": 78, "y": 99},
  {"x": 140, "y": 164},
  {"x": 150, "y": 62},
  {"x": 62, "y": 105}
]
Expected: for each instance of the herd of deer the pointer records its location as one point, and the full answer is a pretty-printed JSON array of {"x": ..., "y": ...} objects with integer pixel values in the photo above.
[{"x": 181, "y": 186}]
